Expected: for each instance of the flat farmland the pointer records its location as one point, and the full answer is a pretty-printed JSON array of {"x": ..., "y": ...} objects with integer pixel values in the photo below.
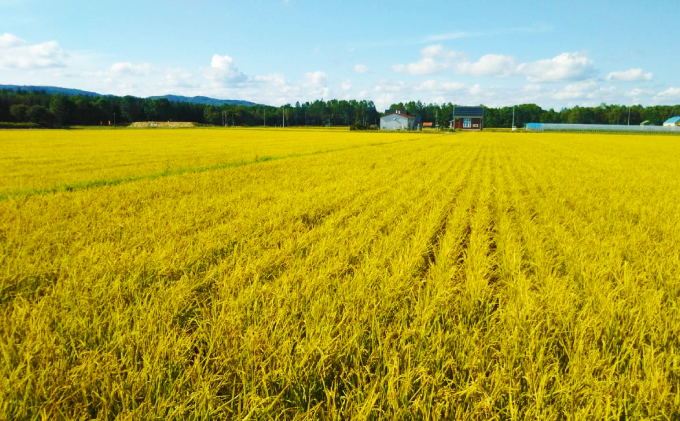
[
  {"x": 58, "y": 160},
  {"x": 312, "y": 274}
]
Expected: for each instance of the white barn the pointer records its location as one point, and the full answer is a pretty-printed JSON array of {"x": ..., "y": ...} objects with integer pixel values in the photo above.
[{"x": 396, "y": 121}]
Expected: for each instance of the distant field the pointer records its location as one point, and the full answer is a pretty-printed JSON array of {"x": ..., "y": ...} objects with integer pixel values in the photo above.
[
  {"x": 62, "y": 159},
  {"x": 350, "y": 276}
]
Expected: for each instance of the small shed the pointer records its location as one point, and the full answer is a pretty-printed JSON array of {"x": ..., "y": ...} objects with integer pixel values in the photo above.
[
  {"x": 468, "y": 118},
  {"x": 672, "y": 122},
  {"x": 396, "y": 121}
]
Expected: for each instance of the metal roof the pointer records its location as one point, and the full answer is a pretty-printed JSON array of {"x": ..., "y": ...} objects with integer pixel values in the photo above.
[
  {"x": 401, "y": 115},
  {"x": 672, "y": 120},
  {"x": 468, "y": 112}
]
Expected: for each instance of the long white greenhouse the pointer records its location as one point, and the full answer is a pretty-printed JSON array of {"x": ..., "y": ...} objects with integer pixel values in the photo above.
[{"x": 555, "y": 127}]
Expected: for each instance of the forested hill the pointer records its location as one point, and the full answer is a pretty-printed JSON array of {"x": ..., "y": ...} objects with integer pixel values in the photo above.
[
  {"x": 54, "y": 90},
  {"x": 204, "y": 100}
]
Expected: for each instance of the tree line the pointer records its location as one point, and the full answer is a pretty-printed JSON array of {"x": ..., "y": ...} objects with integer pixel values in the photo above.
[
  {"x": 58, "y": 110},
  {"x": 48, "y": 110}
]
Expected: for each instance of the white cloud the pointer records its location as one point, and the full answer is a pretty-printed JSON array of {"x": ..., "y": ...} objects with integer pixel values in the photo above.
[
  {"x": 386, "y": 86},
  {"x": 388, "y": 92},
  {"x": 493, "y": 32},
  {"x": 670, "y": 93},
  {"x": 637, "y": 93},
  {"x": 119, "y": 69},
  {"x": 15, "y": 53},
  {"x": 9, "y": 41},
  {"x": 119, "y": 74},
  {"x": 316, "y": 79},
  {"x": 438, "y": 50},
  {"x": 222, "y": 62},
  {"x": 315, "y": 84},
  {"x": 577, "y": 90},
  {"x": 222, "y": 71},
  {"x": 424, "y": 66},
  {"x": 383, "y": 101},
  {"x": 632, "y": 75},
  {"x": 439, "y": 87},
  {"x": 275, "y": 79},
  {"x": 361, "y": 68},
  {"x": 221, "y": 80},
  {"x": 346, "y": 85},
  {"x": 435, "y": 59},
  {"x": 489, "y": 65},
  {"x": 178, "y": 78},
  {"x": 564, "y": 67}
]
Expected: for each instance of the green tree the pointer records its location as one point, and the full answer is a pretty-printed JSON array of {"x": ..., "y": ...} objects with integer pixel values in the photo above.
[
  {"x": 18, "y": 112},
  {"x": 40, "y": 115},
  {"x": 211, "y": 115},
  {"x": 132, "y": 109},
  {"x": 59, "y": 107}
]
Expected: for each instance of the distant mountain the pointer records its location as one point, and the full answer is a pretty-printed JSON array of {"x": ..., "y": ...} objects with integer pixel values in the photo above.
[
  {"x": 204, "y": 100},
  {"x": 53, "y": 90}
]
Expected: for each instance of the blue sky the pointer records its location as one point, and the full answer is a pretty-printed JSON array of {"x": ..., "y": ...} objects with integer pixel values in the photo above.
[{"x": 281, "y": 51}]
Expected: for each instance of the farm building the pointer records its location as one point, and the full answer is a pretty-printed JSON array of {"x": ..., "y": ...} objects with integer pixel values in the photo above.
[
  {"x": 468, "y": 118},
  {"x": 672, "y": 122},
  {"x": 396, "y": 121}
]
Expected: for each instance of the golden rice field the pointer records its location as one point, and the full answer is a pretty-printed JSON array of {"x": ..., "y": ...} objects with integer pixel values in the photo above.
[
  {"x": 65, "y": 160},
  {"x": 289, "y": 274}
]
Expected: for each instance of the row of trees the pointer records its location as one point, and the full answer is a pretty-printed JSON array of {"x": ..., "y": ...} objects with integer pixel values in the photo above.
[
  {"x": 60, "y": 110},
  {"x": 532, "y": 113},
  {"x": 317, "y": 113}
]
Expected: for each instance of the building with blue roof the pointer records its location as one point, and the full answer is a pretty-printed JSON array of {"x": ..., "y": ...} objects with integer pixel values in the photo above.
[{"x": 672, "y": 122}]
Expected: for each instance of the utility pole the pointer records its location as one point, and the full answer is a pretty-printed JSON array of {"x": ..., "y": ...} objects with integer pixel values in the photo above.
[
  {"x": 264, "y": 112},
  {"x": 114, "y": 118},
  {"x": 629, "y": 116},
  {"x": 283, "y": 112},
  {"x": 513, "y": 117}
]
